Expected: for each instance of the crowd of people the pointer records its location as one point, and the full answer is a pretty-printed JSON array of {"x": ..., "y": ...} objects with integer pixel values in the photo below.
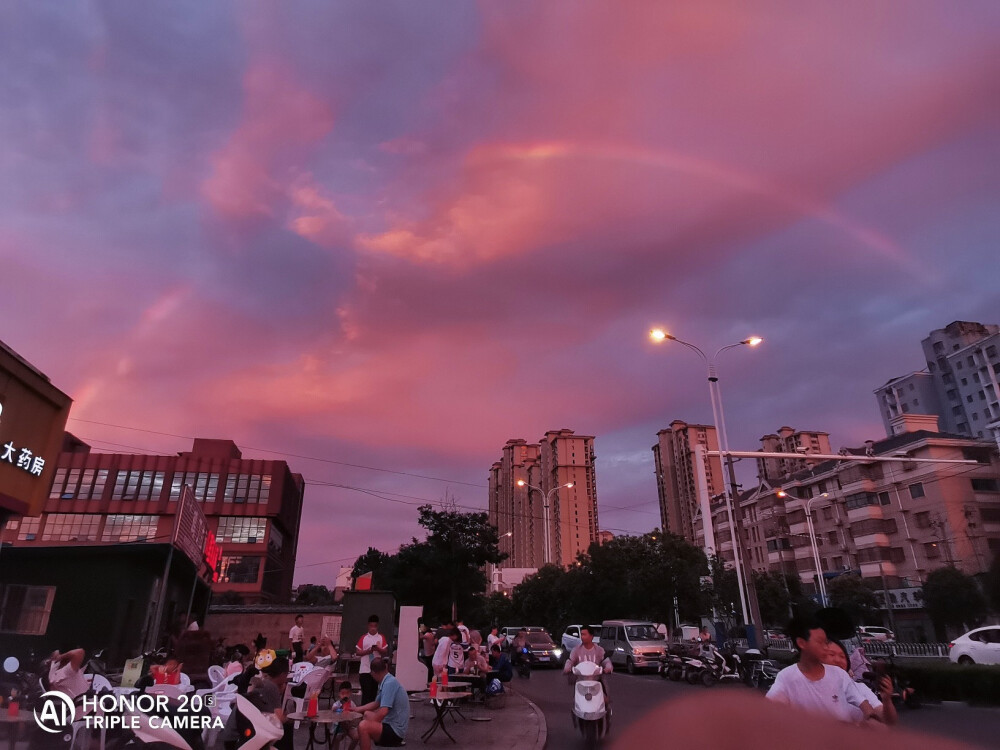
[{"x": 453, "y": 648}]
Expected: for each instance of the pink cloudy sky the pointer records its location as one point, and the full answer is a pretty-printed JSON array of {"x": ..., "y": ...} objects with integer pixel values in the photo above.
[{"x": 397, "y": 234}]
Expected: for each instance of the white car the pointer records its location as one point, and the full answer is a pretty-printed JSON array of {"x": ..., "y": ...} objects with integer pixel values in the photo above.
[
  {"x": 875, "y": 633},
  {"x": 979, "y": 646},
  {"x": 571, "y": 638}
]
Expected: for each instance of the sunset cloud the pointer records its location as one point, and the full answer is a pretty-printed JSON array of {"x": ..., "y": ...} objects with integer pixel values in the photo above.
[{"x": 397, "y": 236}]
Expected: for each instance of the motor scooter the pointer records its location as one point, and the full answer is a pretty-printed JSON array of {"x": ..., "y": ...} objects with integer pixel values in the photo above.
[
  {"x": 255, "y": 729},
  {"x": 716, "y": 667},
  {"x": 590, "y": 711}
]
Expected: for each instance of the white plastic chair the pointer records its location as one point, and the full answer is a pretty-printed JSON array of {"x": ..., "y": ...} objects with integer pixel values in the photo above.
[
  {"x": 299, "y": 671},
  {"x": 99, "y": 682},
  {"x": 171, "y": 691},
  {"x": 216, "y": 674},
  {"x": 185, "y": 680},
  {"x": 225, "y": 698},
  {"x": 314, "y": 681}
]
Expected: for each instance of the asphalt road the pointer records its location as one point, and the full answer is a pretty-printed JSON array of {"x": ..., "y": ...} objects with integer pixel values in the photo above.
[{"x": 635, "y": 695}]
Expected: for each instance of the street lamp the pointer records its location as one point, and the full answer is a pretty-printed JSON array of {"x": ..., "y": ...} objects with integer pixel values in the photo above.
[
  {"x": 812, "y": 537},
  {"x": 659, "y": 335},
  {"x": 545, "y": 508}
]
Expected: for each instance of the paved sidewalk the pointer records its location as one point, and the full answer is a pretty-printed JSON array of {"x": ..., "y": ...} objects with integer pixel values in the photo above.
[{"x": 517, "y": 725}]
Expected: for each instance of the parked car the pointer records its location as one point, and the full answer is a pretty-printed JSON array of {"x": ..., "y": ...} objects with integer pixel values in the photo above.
[
  {"x": 633, "y": 644},
  {"x": 979, "y": 646},
  {"x": 571, "y": 638},
  {"x": 875, "y": 633}
]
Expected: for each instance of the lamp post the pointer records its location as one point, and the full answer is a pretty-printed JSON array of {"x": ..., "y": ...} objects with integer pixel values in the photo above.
[
  {"x": 748, "y": 595},
  {"x": 545, "y": 508},
  {"x": 812, "y": 538},
  {"x": 498, "y": 568}
]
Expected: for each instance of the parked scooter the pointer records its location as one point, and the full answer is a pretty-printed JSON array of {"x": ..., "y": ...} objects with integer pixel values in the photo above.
[
  {"x": 590, "y": 714},
  {"x": 716, "y": 667},
  {"x": 18, "y": 685},
  {"x": 676, "y": 667}
]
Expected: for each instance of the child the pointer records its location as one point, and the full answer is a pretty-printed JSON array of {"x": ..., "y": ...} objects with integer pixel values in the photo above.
[{"x": 345, "y": 729}]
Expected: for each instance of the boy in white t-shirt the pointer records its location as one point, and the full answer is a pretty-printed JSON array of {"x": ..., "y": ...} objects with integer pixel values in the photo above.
[
  {"x": 370, "y": 645},
  {"x": 814, "y": 686}
]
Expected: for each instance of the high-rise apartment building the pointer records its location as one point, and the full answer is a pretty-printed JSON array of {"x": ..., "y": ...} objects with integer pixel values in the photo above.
[
  {"x": 798, "y": 444},
  {"x": 901, "y": 520},
  {"x": 674, "y": 459},
  {"x": 519, "y": 510},
  {"x": 960, "y": 385},
  {"x": 252, "y": 506}
]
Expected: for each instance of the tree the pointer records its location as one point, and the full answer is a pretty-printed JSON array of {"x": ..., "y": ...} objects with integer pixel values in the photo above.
[
  {"x": 851, "y": 594},
  {"x": 312, "y": 596},
  {"x": 464, "y": 542},
  {"x": 444, "y": 572},
  {"x": 953, "y": 599},
  {"x": 373, "y": 561},
  {"x": 775, "y": 592}
]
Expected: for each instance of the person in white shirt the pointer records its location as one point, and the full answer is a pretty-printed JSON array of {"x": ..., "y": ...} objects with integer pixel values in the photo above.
[
  {"x": 813, "y": 686},
  {"x": 492, "y": 638},
  {"x": 463, "y": 630},
  {"x": 442, "y": 655},
  {"x": 296, "y": 635},
  {"x": 589, "y": 651},
  {"x": 370, "y": 646},
  {"x": 836, "y": 656}
]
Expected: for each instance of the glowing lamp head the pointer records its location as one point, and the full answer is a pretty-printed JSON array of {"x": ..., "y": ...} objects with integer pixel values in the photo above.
[
  {"x": 782, "y": 493},
  {"x": 753, "y": 341},
  {"x": 658, "y": 334},
  {"x": 568, "y": 485},
  {"x": 520, "y": 483}
]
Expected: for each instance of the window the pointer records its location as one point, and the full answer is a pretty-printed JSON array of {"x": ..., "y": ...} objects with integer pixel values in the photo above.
[
  {"x": 247, "y": 488},
  {"x": 982, "y": 395},
  {"x": 958, "y": 366},
  {"x": 71, "y": 527},
  {"x": 883, "y": 498},
  {"x": 906, "y": 408},
  {"x": 241, "y": 530},
  {"x": 968, "y": 399},
  {"x": 828, "y": 513},
  {"x": 860, "y": 500},
  {"x": 991, "y": 351},
  {"x": 26, "y": 527},
  {"x": 138, "y": 485},
  {"x": 990, "y": 515},
  {"x": 953, "y": 394},
  {"x": 939, "y": 346},
  {"x": 916, "y": 490},
  {"x": 947, "y": 378},
  {"x": 976, "y": 378},
  {"x": 239, "y": 569},
  {"x": 923, "y": 519},
  {"x": 832, "y": 537},
  {"x": 25, "y": 609},
  {"x": 981, "y": 484},
  {"x": 931, "y": 550},
  {"x": 963, "y": 427},
  {"x": 838, "y": 563},
  {"x": 873, "y": 526},
  {"x": 204, "y": 485},
  {"x": 129, "y": 528},
  {"x": 970, "y": 361},
  {"x": 931, "y": 367}
]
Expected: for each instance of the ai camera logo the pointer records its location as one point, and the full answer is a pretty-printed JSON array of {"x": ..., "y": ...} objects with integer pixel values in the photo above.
[{"x": 57, "y": 712}]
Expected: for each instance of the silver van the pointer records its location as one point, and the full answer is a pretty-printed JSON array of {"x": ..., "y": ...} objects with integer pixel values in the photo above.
[{"x": 633, "y": 644}]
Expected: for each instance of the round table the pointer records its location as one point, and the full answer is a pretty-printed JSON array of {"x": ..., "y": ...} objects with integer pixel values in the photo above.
[
  {"x": 444, "y": 703},
  {"x": 13, "y": 724},
  {"x": 325, "y": 719}
]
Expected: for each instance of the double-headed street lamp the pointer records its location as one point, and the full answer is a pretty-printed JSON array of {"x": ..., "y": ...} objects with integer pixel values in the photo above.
[
  {"x": 545, "y": 508},
  {"x": 748, "y": 596},
  {"x": 812, "y": 537}
]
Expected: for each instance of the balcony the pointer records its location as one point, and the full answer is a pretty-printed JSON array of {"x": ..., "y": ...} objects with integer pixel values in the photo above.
[{"x": 878, "y": 539}]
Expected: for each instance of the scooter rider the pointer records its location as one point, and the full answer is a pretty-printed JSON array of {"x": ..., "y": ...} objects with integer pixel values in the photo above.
[{"x": 589, "y": 651}]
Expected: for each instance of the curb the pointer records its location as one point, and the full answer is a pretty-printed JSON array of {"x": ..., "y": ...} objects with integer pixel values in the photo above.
[{"x": 543, "y": 729}]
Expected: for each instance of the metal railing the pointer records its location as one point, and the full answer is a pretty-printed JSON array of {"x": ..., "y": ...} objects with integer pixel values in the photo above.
[{"x": 872, "y": 648}]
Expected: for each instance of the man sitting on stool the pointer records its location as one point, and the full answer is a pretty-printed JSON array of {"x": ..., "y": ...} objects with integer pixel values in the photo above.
[{"x": 387, "y": 717}]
